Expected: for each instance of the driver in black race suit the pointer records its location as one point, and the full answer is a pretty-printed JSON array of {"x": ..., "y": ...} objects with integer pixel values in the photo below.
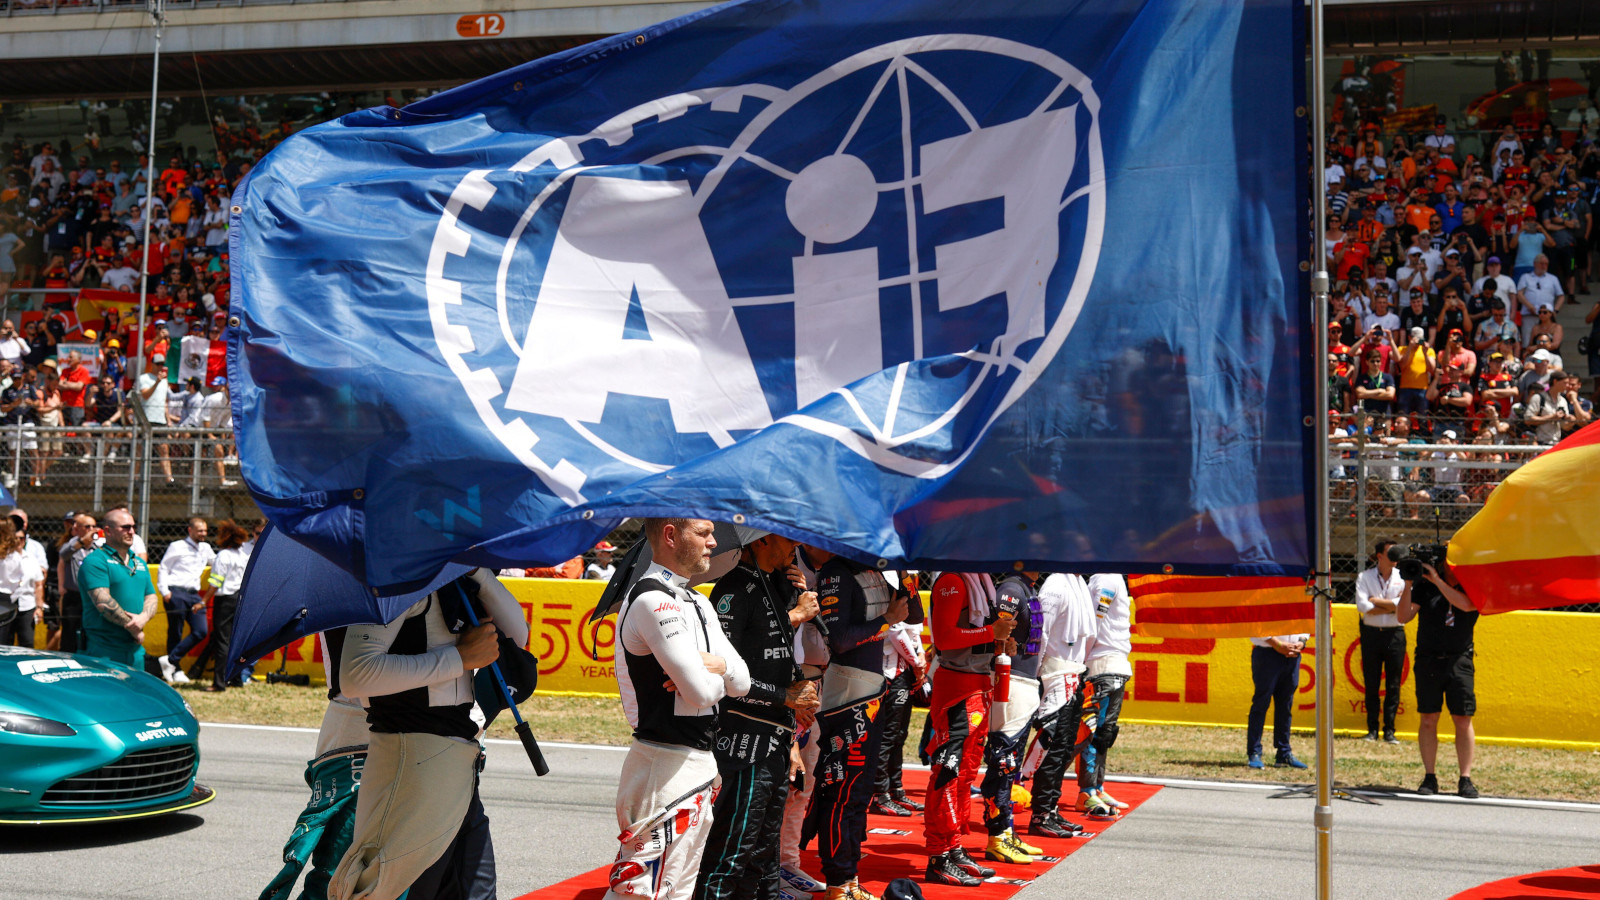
[
  {"x": 673, "y": 666},
  {"x": 755, "y": 749},
  {"x": 858, "y": 606}
]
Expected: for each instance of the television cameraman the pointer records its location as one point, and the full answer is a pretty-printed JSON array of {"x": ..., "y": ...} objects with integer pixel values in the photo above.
[{"x": 1443, "y": 659}]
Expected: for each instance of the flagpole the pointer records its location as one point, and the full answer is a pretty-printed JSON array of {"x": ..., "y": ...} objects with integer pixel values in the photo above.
[
  {"x": 158, "y": 17},
  {"x": 1322, "y": 816}
]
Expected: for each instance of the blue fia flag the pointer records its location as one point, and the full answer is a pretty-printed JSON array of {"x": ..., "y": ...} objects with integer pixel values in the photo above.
[{"x": 932, "y": 282}]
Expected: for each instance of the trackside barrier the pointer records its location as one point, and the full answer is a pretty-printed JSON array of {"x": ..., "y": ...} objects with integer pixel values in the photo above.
[{"x": 1537, "y": 672}]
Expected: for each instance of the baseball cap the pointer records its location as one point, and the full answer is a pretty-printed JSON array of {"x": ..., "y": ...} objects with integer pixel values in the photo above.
[
  {"x": 1497, "y": 355},
  {"x": 219, "y": 381},
  {"x": 1455, "y": 332},
  {"x": 1414, "y": 251},
  {"x": 114, "y": 343},
  {"x": 1452, "y": 252},
  {"x": 1492, "y": 261},
  {"x": 33, "y": 203},
  {"x": 1450, "y": 433},
  {"x": 1417, "y": 333},
  {"x": 1544, "y": 356},
  {"x": 1334, "y": 326},
  {"x": 605, "y": 547}
]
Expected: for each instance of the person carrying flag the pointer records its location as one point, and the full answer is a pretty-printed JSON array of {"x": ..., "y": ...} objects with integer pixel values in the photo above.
[
  {"x": 1011, "y": 719},
  {"x": 858, "y": 605},
  {"x": 1068, "y": 612},
  {"x": 674, "y": 665},
  {"x": 414, "y": 676},
  {"x": 967, "y": 632},
  {"x": 1108, "y": 673},
  {"x": 755, "y": 750}
]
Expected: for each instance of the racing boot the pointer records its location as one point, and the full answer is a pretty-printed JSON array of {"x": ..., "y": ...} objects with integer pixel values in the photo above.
[
  {"x": 1110, "y": 801},
  {"x": 901, "y": 798},
  {"x": 942, "y": 871},
  {"x": 796, "y": 880},
  {"x": 1092, "y": 806},
  {"x": 1051, "y": 825},
  {"x": 1002, "y": 850},
  {"x": 968, "y": 864},
  {"x": 884, "y": 805},
  {"x": 1020, "y": 844}
]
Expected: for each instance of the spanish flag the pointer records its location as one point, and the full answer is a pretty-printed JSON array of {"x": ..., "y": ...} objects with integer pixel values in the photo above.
[
  {"x": 1536, "y": 544},
  {"x": 1219, "y": 606}
]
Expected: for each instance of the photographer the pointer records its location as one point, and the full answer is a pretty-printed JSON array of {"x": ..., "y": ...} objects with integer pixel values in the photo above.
[{"x": 1443, "y": 661}]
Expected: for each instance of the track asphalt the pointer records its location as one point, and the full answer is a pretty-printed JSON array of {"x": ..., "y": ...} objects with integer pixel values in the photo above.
[{"x": 1187, "y": 841}]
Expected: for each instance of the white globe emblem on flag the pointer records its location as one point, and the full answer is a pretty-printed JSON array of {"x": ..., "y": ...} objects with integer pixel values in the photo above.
[{"x": 896, "y": 311}]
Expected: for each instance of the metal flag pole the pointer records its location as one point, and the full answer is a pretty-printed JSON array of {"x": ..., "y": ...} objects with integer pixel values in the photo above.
[
  {"x": 159, "y": 19},
  {"x": 1322, "y": 816}
]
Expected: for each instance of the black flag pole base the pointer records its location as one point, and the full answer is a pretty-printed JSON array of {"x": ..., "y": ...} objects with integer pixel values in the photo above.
[{"x": 1309, "y": 791}]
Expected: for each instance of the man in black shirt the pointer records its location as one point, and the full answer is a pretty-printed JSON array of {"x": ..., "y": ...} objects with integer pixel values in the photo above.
[
  {"x": 1443, "y": 665},
  {"x": 755, "y": 749}
]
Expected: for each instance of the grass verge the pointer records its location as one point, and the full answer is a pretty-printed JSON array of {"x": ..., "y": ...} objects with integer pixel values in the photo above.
[{"x": 1157, "y": 750}]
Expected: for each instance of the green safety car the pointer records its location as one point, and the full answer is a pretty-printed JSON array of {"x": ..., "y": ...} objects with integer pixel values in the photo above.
[{"x": 84, "y": 739}]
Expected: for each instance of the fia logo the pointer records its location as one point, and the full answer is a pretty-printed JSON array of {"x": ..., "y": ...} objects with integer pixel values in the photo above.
[{"x": 886, "y": 253}]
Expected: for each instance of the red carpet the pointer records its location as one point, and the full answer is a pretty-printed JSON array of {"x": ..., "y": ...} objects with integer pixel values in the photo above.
[
  {"x": 1556, "y": 884},
  {"x": 889, "y": 856}
]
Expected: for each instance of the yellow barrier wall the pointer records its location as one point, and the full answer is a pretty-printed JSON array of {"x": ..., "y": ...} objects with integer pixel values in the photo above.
[{"x": 1537, "y": 672}]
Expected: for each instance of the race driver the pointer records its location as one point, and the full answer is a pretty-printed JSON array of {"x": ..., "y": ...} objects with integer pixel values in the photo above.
[
  {"x": 1011, "y": 720},
  {"x": 419, "y": 783},
  {"x": 858, "y": 606},
  {"x": 1069, "y": 624},
  {"x": 755, "y": 749},
  {"x": 1107, "y": 679},
  {"x": 967, "y": 632},
  {"x": 673, "y": 667}
]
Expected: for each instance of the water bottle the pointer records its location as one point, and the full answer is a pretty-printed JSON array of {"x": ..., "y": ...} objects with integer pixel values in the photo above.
[{"x": 1002, "y": 678}]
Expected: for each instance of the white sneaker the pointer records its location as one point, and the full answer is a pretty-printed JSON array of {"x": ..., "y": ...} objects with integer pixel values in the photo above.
[
  {"x": 169, "y": 671},
  {"x": 179, "y": 676},
  {"x": 84, "y": 458},
  {"x": 231, "y": 461},
  {"x": 800, "y": 881}
]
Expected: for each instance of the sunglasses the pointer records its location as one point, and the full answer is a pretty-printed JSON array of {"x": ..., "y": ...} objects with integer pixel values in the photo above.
[{"x": 128, "y": 527}]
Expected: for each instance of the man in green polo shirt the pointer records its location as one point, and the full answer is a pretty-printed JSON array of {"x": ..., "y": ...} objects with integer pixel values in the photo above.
[{"x": 118, "y": 585}]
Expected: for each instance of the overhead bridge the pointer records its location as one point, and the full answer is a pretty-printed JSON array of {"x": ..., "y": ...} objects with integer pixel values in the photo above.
[
  {"x": 60, "y": 49},
  {"x": 63, "y": 49}
]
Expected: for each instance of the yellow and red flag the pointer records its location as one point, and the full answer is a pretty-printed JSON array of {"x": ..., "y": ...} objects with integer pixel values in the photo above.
[
  {"x": 1535, "y": 543},
  {"x": 1219, "y": 606}
]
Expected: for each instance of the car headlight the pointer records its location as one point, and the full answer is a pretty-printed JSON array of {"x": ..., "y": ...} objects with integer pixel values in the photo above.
[
  {"x": 189, "y": 709},
  {"x": 17, "y": 723}
]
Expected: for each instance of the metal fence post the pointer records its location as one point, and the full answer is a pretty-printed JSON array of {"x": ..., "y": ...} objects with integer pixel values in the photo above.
[
  {"x": 16, "y": 461},
  {"x": 194, "y": 476},
  {"x": 99, "y": 470},
  {"x": 1361, "y": 499},
  {"x": 144, "y": 479}
]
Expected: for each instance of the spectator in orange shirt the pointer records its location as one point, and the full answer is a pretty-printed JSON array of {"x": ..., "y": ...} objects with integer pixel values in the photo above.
[
  {"x": 1418, "y": 212},
  {"x": 172, "y": 176}
]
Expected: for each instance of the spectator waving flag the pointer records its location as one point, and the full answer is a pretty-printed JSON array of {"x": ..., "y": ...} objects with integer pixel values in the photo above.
[
  {"x": 1533, "y": 545},
  {"x": 913, "y": 280}
]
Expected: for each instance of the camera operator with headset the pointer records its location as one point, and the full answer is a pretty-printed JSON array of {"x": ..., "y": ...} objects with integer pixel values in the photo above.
[{"x": 1443, "y": 659}]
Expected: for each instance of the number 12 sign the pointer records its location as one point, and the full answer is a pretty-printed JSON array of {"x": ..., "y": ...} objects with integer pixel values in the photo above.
[{"x": 482, "y": 25}]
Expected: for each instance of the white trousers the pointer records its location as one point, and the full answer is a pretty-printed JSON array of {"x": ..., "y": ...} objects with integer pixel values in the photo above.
[
  {"x": 415, "y": 789},
  {"x": 663, "y": 816},
  {"x": 794, "y": 811}
]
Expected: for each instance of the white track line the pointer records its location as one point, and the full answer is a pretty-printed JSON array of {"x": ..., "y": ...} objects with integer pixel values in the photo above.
[{"x": 1188, "y": 783}]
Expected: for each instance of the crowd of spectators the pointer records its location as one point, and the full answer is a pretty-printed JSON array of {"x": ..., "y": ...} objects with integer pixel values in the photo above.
[
  {"x": 1448, "y": 274},
  {"x": 76, "y": 219}
]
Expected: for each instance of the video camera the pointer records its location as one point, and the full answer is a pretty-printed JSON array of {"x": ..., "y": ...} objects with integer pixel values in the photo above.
[{"x": 1410, "y": 558}]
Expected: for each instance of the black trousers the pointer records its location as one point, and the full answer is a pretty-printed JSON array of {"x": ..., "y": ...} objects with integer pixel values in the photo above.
[
  {"x": 1383, "y": 655},
  {"x": 223, "y": 608},
  {"x": 895, "y": 713},
  {"x": 1058, "y": 738},
  {"x": 741, "y": 855},
  {"x": 71, "y": 621},
  {"x": 466, "y": 869},
  {"x": 16, "y": 627}
]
